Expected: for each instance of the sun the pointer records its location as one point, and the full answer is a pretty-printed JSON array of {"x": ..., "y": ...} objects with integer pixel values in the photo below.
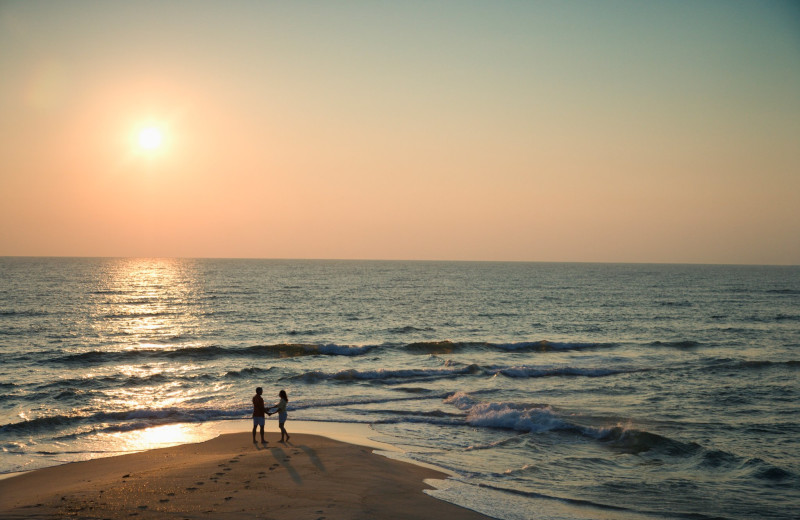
[{"x": 150, "y": 138}]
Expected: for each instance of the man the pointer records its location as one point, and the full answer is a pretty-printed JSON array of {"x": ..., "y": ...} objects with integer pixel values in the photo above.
[{"x": 258, "y": 415}]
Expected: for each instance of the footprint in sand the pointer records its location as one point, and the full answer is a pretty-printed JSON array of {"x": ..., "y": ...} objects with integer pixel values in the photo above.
[
  {"x": 163, "y": 500},
  {"x": 228, "y": 498},
  {"x": 219, "y": 474},
  {"x": 200, "y": 483},
  {"x": 191, "y": 489}
]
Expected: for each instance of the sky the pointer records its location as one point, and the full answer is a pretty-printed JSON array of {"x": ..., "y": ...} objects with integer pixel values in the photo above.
[{"x": 578, "y": 131}]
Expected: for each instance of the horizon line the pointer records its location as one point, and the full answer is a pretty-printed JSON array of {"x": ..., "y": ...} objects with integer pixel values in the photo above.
[{"x": 397, "y": 260}]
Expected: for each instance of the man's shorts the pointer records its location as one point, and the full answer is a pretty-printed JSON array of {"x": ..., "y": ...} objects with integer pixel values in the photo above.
[{"x": 258, "y": 421}]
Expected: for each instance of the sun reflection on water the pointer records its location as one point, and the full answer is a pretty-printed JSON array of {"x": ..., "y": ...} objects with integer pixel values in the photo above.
[
  {"x": 142, "y": 306},
  {"x": 143, "y": 302}
]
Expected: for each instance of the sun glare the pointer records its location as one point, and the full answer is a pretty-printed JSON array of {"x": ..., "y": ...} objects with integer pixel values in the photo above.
[{"x": 150, "y": 138}]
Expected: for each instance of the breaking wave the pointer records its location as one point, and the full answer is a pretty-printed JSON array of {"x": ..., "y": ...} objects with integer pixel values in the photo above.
[
  {"x": 290, "y": 350},
  {"x": 541, "y": 418}
]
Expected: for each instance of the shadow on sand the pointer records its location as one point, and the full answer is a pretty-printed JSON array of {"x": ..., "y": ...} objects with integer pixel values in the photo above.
[{"x": 284, "y": 459}]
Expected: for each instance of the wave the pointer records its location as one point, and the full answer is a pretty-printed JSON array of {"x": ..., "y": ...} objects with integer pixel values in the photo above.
[
  {"x": 308, "y": 332},
  {"x": 676, "y": 344},
  {"x": 778, "y": 318},
  {"x": 510, "y": 416},
  {"x": 128, "y": 420},
  {"x": 454, "y": 369},
  {"x": 123, "y": 420},
  {"x": 408, "y": 329},
  {"x": 247, "y": 372},
  {"x": 526, "y": 371},
  {"x": 290, "y": 350},
  {"x": 439, "y": 347},
  {"x": 761, "y": 470},
  {"x": 207, "y": 353},
  {"x": 756, "y": 364},
  {"x": 414, "y": 416},
  {"x": 783, "y": 291},
  {"x": 26, "y": 313},
  {"x": 387, "y": 375},
  {"x": 81, "y": 386},
  {"x": 752, "y": 364},
  {"x": 676, "y": 304},
  {"x": 340, "y": 402},
  {"x": 753, "y": 467},
  {"x": 413, "y": 390},
  {"x": 134, "y": 315},
  {"x": 449, "y": 347},
  {"x": 541, "y": 418},
  {"x": 631, "y": 440},
  {"x": 297, "y": 350},
  {"x": 547, "y": 346},
  {"x": 94, "y": 357},
  {"x": 492, "y": 445}
]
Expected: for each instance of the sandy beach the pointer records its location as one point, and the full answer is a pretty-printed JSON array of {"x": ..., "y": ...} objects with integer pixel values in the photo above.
[{"x": 310, "y": 477}]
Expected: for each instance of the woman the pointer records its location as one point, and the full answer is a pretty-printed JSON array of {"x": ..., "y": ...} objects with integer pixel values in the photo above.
[{"x": 280, "y": 408}]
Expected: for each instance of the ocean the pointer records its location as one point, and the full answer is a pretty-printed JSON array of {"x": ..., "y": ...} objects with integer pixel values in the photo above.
[{"x": 617, "y": 390}]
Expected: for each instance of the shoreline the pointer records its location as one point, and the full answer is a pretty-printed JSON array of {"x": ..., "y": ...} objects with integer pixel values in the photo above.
[
  {"x": 192, "y": 433},
  {"x": 228, "y": 476}
]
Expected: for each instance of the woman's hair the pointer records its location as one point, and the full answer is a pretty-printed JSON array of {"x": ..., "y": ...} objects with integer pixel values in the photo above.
[{"x": 282, "y": 395}]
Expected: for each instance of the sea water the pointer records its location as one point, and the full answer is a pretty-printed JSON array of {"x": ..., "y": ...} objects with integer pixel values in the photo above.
[{"x": 665, "y": 391}]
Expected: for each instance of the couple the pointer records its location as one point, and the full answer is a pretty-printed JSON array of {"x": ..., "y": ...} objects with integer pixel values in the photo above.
[{"x": 259, "y": 410}]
